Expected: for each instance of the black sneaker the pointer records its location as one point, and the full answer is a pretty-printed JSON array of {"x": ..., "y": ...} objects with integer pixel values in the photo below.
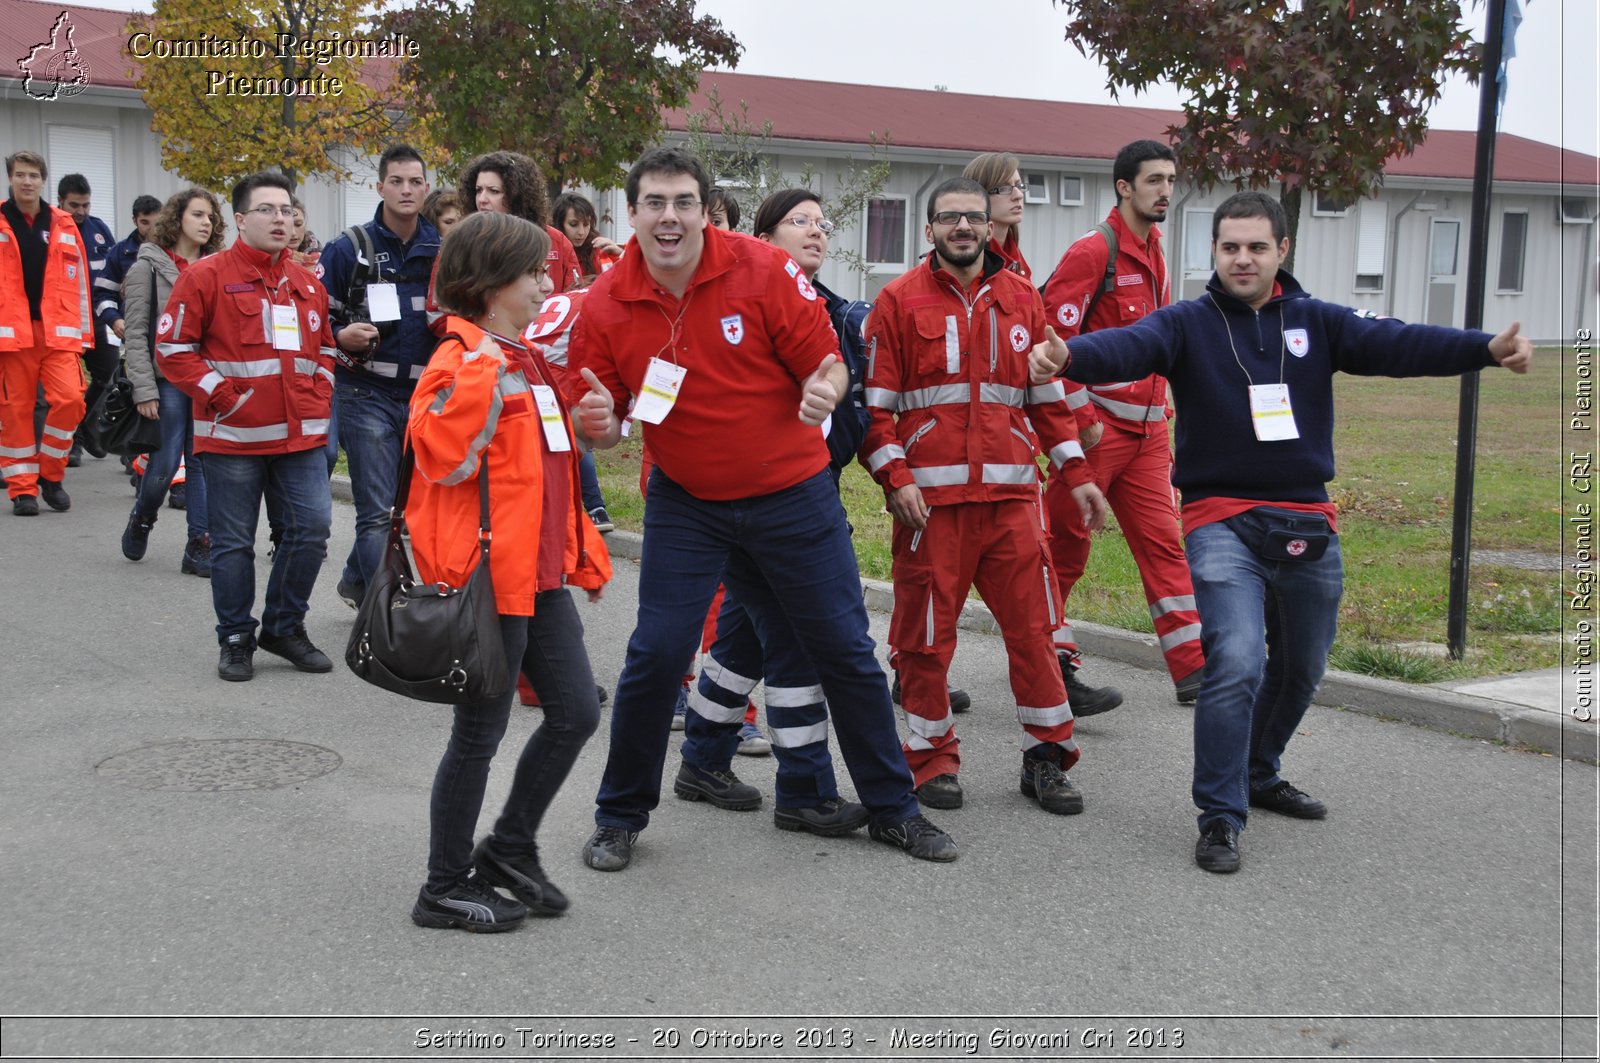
[
  {"x": 136, "y": 536},
  {"x": 296, "y": 648},
  {"x": 350, "y": 594},
  {"x": 916, "y": 836},
  {"x": 1188, "y": 688},
  {"x": 25, "y": 506},
  {"x": 472, "y": 905},
  {"x": 1045, "y": 782},
  {"x": 235, "y": 665},
  {"x": 941, "y": 791},
  {"x": 523, "y": 877},
  {"x": 1218, "y": 848},
  {"x": 178, "y": 497},
  {"x": 1085, "y": 700},
  {"x": 54, "y": 495},
  {"x": 609, "y": 848},
  {"x": 75, "y": 457},
  {"x": 960, "y": 700},
  {"x": 1288, "y": 800},
  {"x": 602, "y": 520},
  {"x": 197, "y": 557},
  {"x": 719, "y": 788},
  {"x": 829, "y": 820}
]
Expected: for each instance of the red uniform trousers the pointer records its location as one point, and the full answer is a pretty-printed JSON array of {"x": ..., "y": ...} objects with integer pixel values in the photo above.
[
  {"x": 1135, "y": 472},
  {"x": 24, "y": 458},
  {"x": 999, "y": 547}
]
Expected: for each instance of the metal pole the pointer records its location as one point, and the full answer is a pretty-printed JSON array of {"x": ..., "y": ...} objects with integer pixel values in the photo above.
[{"x": 1477, "y": 277}]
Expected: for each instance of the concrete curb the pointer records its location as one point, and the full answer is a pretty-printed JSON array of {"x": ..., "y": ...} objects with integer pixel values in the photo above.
[{"x": 1422, "y": 706}]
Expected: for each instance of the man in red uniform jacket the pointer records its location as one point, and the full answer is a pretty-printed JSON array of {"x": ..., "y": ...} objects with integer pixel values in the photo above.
[
  {"x": 1124, "y": 425},
  {"x": 951, "y": 439},
  {"x": 246, "y": 336},
  {"x": 44, "y": 327}
]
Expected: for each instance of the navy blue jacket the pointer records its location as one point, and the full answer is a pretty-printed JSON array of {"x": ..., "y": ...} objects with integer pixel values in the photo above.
[
  {"x": 1211, "y": 349},
  {"x": 108, "y": 285},
  {"x": 97, "y": 243},
  {"x": 850, "y": 418},
  {"x": 400, "y": 357}
]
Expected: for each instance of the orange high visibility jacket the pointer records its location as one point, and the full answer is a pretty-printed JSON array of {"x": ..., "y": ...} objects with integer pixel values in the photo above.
[
  {"x": 468, "y": 406},
  {"x": 64, "y": 308}
]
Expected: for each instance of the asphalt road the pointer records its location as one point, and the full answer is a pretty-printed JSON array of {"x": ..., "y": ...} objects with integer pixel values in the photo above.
[{"x": 1446, "y": 908}]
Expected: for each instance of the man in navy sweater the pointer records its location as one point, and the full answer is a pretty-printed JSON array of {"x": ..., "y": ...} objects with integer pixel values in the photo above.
[{"x": 1251, "y": 366}]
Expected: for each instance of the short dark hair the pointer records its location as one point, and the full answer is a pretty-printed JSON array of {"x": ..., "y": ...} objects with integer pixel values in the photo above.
[
  {"x": 439, "y": 201},
  {"x": 779, "y": 206},
  {"x": 1252, "y": 205},
  {"x": 1132, "y": 156},
  {"x": 259, "y": 179},
  {"x": 33, "y": 158},
  {"x": 399, "y": 153},
  {"x": 671, "y": 162},
  {"x": 169, "y": 223},
  {"x": 485, "y": 252},
  {"x": 73, "y": 184},
  {"x": 721, "y": 198},
  {"x": 526, "y": 196},
  {"x": 145, "y": 205},
  {"x": 952, "y": 185}
]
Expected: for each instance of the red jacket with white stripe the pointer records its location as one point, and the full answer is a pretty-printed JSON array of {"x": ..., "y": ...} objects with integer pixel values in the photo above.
[
  {"x": 215, "y": 343},
  {"x": 947, "y": 389},
  {"x": 1138, "y": 406}
]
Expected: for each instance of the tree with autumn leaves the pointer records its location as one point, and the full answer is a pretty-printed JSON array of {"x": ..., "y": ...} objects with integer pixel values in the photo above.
[
  {"x": 212, "y": 136},
  {"x": 1316, "y": 95},
  {"x": 579, "y": 86}
]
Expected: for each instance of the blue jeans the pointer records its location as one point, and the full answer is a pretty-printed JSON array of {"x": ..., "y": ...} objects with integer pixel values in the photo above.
[
  {"x": 549, "y": 648},
  {"x": 295, "y": 487},
  {"x": 372, "y": 430},
  {"x": 1266, "y": 628},
  {"x": 590, "y": 481},
  {"x": 177, "y": 444},
  {"x": 798, "y": 541}
]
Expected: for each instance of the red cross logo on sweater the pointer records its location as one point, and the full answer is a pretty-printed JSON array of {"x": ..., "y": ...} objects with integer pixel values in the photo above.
[{"x": 733, "y": 329}]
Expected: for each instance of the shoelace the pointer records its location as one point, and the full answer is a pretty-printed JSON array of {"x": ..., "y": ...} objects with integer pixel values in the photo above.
[
  {"x": 612, "y": 834},
  {"x": 919, "y": 827}
]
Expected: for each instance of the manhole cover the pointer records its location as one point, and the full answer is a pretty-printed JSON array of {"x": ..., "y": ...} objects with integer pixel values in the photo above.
[{"x": 218, "y": 764}]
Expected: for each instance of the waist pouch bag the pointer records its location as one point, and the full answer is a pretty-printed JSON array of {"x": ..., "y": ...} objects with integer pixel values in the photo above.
[
  {"x": 1282, "y": 534},
  {"x": 431, "y": 642}
]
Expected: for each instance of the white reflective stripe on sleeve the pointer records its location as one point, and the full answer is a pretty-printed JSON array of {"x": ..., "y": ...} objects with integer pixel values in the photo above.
[
  {"x": 469, "y": 464},
  {"x": 712, "y": 711},
  {"x": 106, "y": 284},
  {"x": 328, "y": 352},
  {"x": 316, "y": 426},
  {"x": 795, "y": 737},
  {"x": 952, "y": 345},
  {"x": 1162, "y": 606},
  {"x": 930, "y": 728},
  {"x": 328, "y": 373},
  {"x": 97, "y": 264},
  {"x": 884, "y": 455},
  {"x": 417, "y": 371},
  {"x": 882, "y": 398},
  {"x": 105, "y": 304},
  {"x": 59, "y": 433},
  {"x": 1055, "y": 391},
  {"x": 263, "y": 434},
  {"x": 1077, "y": 400},
  {"x": 940, "y": 475},
  {"x": 1001, "y": 394},
  {"x": 255, "y": 367},
  {"x": 1128, "y": 411},
  {"x": 8, "y": 471},
  {"x": 939, "y": 395},
  {"x": 1173, "y": 639},
  {"x": 720, "y": 675},
  {"x": 308, "y": 366},
  {"x": 419, "y": 303},
  {"x": 793, "y": 697},
  {"x": 1053, "y": 716},
  {"x": 1011, "y": 474},
  {"x": 1062, "y": 453},
  {"x": 68, "y": 332},
  {"x": 209, "y": 382}
]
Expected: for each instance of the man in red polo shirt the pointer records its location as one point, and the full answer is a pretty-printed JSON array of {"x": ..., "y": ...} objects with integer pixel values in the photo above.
[{"x": 720, "y": 341}]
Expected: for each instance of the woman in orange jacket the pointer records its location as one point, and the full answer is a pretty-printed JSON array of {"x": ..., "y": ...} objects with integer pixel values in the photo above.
[{"x": 488, "y": 405}]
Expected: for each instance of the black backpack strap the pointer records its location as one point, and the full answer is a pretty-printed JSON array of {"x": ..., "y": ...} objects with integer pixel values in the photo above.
[
  {"x": 366, "y": 268},
  {"x": 1110, "y": 282}
]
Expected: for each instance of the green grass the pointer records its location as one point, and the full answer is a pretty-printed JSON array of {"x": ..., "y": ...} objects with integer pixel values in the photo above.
[{"x": 1395, "y": 445}]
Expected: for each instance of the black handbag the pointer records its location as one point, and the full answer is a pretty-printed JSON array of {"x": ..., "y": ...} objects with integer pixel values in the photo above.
[
  {"x": 114, "y": 426},
  {"x": 431, "y": 642}
]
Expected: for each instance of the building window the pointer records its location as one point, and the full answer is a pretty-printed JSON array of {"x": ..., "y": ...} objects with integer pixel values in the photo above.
[
  {"x": 75, "y": 149},
  {"x": 1038, "y": 190},
  {"x": 1071, "y": 191},
  {"x": 1328, "y": 205},
  {"x": 1577, "y": 211},
  {"x": 1513, "y": 250},
  {"x": 1197, "y": 241},
  {"x": 886, "y": 232},
  {"x": 1371, "y": 245}
]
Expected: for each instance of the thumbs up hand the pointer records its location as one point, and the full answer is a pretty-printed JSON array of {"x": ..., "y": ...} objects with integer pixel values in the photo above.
[
  {"x": 597, "y": 411},
  {"x": 1047, "y": 357},
  {"x": 821, "y": 391},
  {"x": 1512, "y": 351}
]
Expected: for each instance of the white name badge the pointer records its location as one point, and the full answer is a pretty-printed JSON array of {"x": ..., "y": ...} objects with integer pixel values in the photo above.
[
  {"x": 384, "y": 302},
  {"x": 659, "y": 393},
  {"x": 827, "y": 425},
  {"x": 285, "y": 328},
  {"x": 111, "y": 338},
  {"x": 555, "y": 433},
  {"x": 1271, "y": 412}
]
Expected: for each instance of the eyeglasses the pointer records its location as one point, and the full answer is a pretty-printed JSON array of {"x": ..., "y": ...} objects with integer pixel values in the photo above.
[
  {"x": 800, "y": 221},
  {"x": 1006, "y": 190},
  {"x": 658, "y": 205},
  {"x": 974, "y": 218},
  {"x": 269, "y": 211}
]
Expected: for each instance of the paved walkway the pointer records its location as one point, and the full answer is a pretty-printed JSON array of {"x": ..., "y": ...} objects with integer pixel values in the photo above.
[{"x": 173, "y": 847}]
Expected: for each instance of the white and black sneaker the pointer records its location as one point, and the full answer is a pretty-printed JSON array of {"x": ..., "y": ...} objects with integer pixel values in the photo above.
[{"x": 471, "y": 904}]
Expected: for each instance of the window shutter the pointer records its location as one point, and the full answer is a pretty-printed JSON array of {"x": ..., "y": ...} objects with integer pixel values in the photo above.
[{"x": 75, "y": 149}]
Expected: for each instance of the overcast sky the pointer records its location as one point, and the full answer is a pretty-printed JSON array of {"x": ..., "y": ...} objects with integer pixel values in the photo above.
[{"x": 1554, "y": 81}]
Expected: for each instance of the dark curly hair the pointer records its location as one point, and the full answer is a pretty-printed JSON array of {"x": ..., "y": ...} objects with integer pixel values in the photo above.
[
  {"x": 525, "y": 190},
  {"x": 168, "y": 226}
]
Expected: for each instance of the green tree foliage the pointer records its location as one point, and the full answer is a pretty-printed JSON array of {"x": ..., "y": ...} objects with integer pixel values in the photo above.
[
  {"x": 1314, "y": 94},
  {"x": 579, "y": 85},
  {"x": 217, "y": 122}
]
